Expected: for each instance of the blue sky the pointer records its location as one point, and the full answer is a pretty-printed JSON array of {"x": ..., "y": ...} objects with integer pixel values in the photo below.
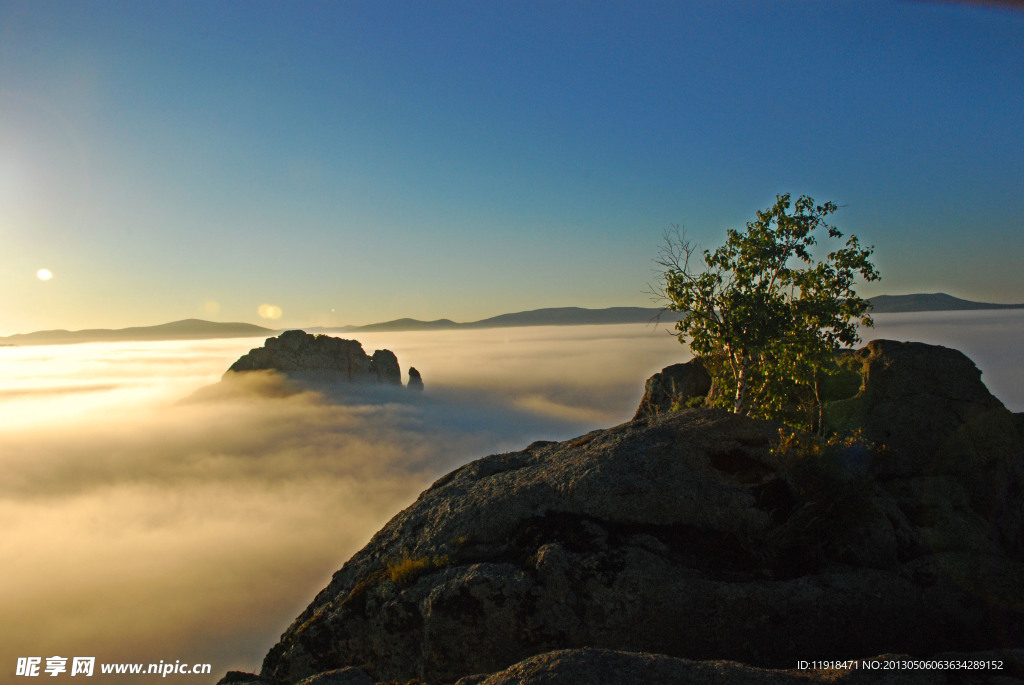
[{"x": 351, "y": 162}]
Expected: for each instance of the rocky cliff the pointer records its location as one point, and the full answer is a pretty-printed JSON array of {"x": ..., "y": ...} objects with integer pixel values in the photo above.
[
  {"x": 323, "y": 360},
  {"x": 683, "y": 547}
]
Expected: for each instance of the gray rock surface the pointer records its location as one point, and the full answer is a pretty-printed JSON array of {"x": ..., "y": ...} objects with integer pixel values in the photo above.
[
  {"x": 607, "y": 667},
  {"x": 674, "y": 387},
  {"x": 321, "y": 359},
  {"x": 384, "y": 366},
  {"x": 684, "y": 535},
  {"x": 415, "y": 380},
  {"x": 242, "y": 678},
  {"x": 341, "y": 676},
  {"x": 954, "y": 455}
]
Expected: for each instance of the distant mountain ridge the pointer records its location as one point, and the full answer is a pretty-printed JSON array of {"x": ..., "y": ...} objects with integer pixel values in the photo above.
[
  {"x": 404, "y": 324},
  {"x": 930, "y": 302},
  {"x": 196, "y": 329},
  {"x": 575, "y": 316},
  {"x": 550, "y": 316},
  {"x": 186, "y": 329}
]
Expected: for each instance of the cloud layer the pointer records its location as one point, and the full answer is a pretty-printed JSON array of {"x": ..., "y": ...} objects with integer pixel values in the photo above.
[{"x": 149, "y": 512}]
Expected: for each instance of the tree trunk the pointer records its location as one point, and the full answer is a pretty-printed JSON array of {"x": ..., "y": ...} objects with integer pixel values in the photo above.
[
  {"x": 741, "y": 389},
  {"x": 819, "y": 406}
]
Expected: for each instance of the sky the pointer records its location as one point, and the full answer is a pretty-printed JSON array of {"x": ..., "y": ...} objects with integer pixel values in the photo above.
[{"x": 315, "y": 163}]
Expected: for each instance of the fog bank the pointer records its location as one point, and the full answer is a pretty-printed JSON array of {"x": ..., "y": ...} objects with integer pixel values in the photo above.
[{"x": 149, "y": 512}]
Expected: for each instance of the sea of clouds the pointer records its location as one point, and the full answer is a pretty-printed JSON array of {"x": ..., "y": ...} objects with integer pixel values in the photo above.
[{"x": 150, "y": 512}]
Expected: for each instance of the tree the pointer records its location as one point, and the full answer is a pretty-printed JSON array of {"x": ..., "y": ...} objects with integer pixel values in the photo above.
[{"x": 765, "y": 313}]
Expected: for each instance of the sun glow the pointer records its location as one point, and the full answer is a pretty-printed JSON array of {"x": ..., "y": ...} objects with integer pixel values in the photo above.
[
  {"x": 44, "y": 274},
  {"x": 269, "y": 311}
]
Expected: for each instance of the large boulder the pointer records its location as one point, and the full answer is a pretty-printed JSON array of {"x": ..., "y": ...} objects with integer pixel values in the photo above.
[
  {"x": 954, "y": 454},
  {"x": 674, "y": 387},
  {"x": 321, "y": 360},
  {"x": 687, "y": 535}
]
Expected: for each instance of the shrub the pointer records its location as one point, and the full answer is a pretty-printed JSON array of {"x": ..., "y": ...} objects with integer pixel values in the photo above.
[
  {"x": 406, "y": 570},
  {"x": 832, "y": 487}
]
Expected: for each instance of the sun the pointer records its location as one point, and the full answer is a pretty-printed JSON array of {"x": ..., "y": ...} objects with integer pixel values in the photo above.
[{"x": 44, "y": 274}]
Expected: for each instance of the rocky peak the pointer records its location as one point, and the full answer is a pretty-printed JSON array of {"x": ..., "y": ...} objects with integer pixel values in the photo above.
[
  {"x": 321, "y": 359},
  {"x": 415, "y": 380}
]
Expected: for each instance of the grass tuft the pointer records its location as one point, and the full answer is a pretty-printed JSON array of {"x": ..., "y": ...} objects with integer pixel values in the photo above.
[{"x": 406, "y": 570}]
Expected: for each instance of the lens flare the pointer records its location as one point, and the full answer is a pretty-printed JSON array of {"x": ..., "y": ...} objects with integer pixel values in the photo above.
[{"x": 269, "y": 311}]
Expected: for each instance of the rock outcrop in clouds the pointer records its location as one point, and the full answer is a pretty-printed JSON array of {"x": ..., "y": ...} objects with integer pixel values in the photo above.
[{"x": 324, "y": 361}]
